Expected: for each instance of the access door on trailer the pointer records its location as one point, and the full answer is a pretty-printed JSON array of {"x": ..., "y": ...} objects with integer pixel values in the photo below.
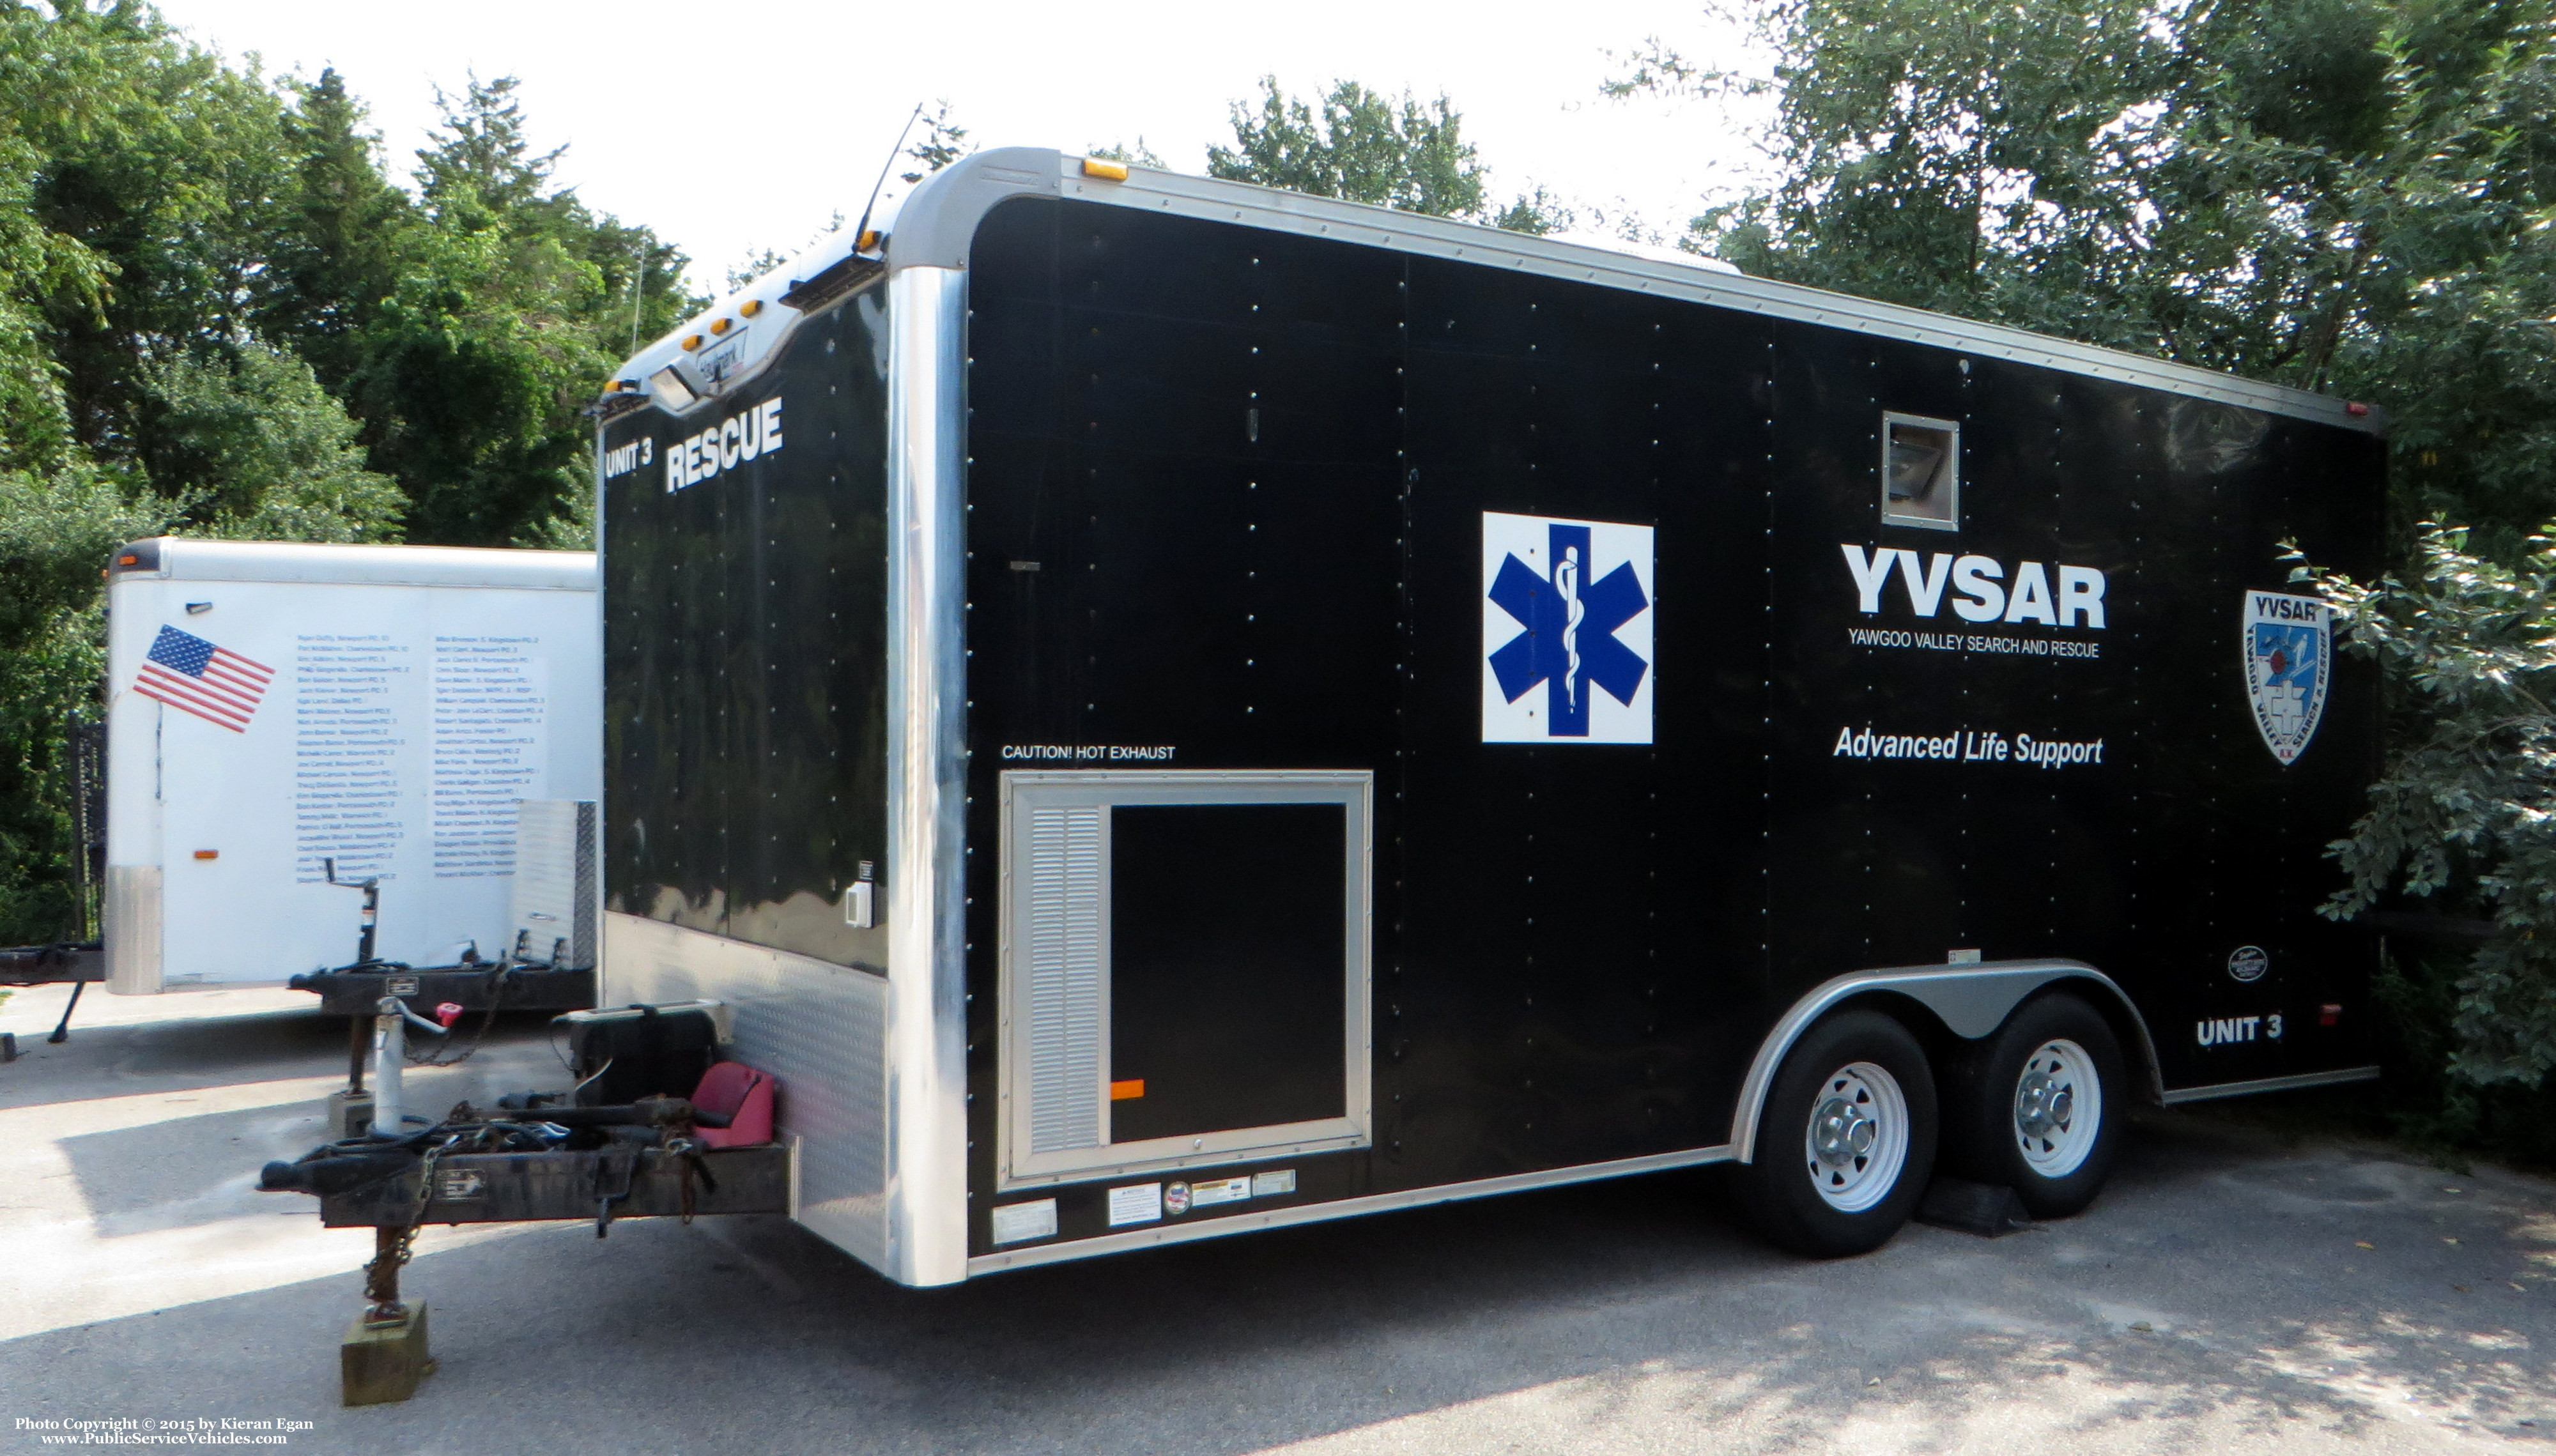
[{"x": 1185, "y": 969}]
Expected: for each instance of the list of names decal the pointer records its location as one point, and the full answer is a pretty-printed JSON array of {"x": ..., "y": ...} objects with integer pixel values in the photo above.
[
  {"x": 490, "y": 714},
  {"x": 345, "y": 753}
]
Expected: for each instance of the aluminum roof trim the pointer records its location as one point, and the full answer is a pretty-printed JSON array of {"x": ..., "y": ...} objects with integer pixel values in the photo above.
[
  {"x": 1208, "y": 198},
  {"x": 185, "y": 558},
  {"x": 936, "y": 227}
]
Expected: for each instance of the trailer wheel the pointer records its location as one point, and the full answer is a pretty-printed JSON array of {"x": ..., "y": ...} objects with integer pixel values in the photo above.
[
  {"x": 2040, "y": 1109},
  {"x": 1847, "y": 1140}
]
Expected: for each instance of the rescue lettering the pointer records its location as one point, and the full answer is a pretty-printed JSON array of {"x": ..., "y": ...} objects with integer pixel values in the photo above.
[{"x": 742, "y": 437}]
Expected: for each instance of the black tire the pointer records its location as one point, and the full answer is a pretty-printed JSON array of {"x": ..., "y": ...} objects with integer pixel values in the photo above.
[
  {"x": 1984, "y": 1126},
  {"x": 1781, "y": 1188}
]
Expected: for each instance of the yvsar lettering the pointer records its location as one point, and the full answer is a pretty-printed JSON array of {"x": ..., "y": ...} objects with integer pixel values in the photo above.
[
  {"x": 2271, "y": 608},
  {"x": 1979, "y": 587},
  {"x": 739, "y": 438}
]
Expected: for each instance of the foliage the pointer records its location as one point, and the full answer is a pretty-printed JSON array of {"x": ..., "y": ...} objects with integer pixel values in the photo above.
[
  {"x": 54, "y": 531},
  {"x": 268, "y": 453},
  {"x": 2335, "y": 193},
  {"x": 2344, "y": 195},
  {"x": 943, "y": 142},
  {"x": 219, "y": 314},
  {"x": 1367, "y": 148},
  {"x": 1138, "y": 154},
  {"x": 508, "y": 301},
  {"x": 2468, "y": 803},
  {"x": 2422, "y": 1099}
]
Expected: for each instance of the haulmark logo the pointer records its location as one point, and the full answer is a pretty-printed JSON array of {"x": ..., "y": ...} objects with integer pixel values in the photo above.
[
  {"x": 1566, "y": 607},
  {"x": 2288, "y": 646}
]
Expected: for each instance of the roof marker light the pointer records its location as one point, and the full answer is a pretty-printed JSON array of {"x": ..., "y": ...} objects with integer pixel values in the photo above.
[
  {"x": 691, "y": 342},
  {"x": 751, "y": 307},
  {"x": 1112, "y": 171},
  {"x": 721, "y": 325},
  {"x": 871, "y": 238}
]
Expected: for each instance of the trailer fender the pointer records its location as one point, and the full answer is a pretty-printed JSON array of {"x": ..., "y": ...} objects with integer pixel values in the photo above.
[{"x": 1971, "y": 1001}]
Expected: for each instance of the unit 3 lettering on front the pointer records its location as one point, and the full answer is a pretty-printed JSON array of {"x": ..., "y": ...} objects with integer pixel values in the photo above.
[
  {"x": 1980, "y": 589},
  {"x": 742, "y": 437}
]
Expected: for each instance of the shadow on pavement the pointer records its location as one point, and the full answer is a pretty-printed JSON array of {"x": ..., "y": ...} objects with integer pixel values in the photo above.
[{"x": 1574, "y": 1319}]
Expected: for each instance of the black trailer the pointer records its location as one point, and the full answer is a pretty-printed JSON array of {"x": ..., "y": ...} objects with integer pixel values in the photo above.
[{"x": 1164, "y": 708}]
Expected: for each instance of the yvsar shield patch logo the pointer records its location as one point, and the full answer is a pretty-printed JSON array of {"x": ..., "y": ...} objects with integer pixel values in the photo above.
[
  {"x": 2288, "y": 646},
  {"x": 1566, "y": 631}
]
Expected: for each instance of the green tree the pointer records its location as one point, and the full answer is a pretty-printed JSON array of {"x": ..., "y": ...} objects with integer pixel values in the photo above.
[
  {"x": 2347, "y": 195},
  {"x": 2335, "y": 193},
  {"x": 1361, "y": 146},
  {"x": 268, "y": 455},
  {"x": 56, "y": 530},
  {"x": 167, "y": 168},
  {"x": 1366, "y": 148},
  {"x": 943, "y": 142},
  {"x": 511, "y": 304},
  {"x": 1138, "y": 154},
  {"x": 337, "y": 257},
  {"x": 2463, "y": 810}
]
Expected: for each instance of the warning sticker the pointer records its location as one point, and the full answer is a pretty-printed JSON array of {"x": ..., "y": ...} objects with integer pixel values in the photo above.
[
  {"x": 1219, "y": 1190},
  {"x": 1014, "y": 1222},
  {"x": 1281, "y": 1181},
  {"x": 1137, "y": 1203}
]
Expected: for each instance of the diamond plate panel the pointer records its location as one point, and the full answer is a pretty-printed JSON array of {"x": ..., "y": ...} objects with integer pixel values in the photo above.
[
  {"x": 553, "y": 899},
  {"x": 821, "y": 1028}
]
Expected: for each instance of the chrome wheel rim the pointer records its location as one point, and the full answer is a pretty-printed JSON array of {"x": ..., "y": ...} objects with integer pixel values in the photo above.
[
  {"x": 2058, "y": 1108},
  {"x": 1856, "y": 1142}
]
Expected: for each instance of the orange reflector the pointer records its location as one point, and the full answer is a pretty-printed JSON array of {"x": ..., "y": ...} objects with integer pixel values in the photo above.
[
  {"x": 128, "y": 560},
  {"x": 1127, "y": 1091},
  {"x": 208, "y": 853},
  {"x": 1113, "y": 171},
  {"x": 691, "y": 342},
  {"x": 722, "y": 326},
  {"x": 751, "y": 307},
  {"x": 869, "y": 239}
]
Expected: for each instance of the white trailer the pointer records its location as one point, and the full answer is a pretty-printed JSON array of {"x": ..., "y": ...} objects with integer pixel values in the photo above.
[{"x": 275, "y": 708}]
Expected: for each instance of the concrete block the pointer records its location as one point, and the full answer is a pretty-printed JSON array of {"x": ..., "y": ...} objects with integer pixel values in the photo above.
[{"x": 380, "y": 1364}]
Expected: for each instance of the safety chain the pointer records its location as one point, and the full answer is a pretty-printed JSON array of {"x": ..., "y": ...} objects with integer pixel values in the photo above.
[
  {"x": 497, "y": 984},
  {"x": 393, "y": 1247}
]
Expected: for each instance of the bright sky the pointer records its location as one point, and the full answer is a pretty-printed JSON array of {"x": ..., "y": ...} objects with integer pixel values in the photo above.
[{"x": 730, "y": 128}]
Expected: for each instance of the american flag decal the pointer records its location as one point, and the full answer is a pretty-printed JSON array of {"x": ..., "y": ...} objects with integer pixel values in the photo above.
[{"x": 214, "y": 683}]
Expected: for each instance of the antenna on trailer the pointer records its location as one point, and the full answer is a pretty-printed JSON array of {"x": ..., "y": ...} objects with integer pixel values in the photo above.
[
  {"x": 862, "y": 229},
  {"x": 638, "y": 290}
]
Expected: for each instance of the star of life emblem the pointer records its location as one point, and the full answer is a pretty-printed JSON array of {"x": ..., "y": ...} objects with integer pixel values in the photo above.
[
  {"x": 1566, "y": 631},
  {"x": 2288, "y": 648}
]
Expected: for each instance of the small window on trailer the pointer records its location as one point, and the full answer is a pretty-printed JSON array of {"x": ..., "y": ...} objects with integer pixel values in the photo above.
[{"x": 1921, "y": 472}]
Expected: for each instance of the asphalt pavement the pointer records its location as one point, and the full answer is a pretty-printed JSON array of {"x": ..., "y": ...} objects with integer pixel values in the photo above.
[{"x": 2232, "y": 1292}]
